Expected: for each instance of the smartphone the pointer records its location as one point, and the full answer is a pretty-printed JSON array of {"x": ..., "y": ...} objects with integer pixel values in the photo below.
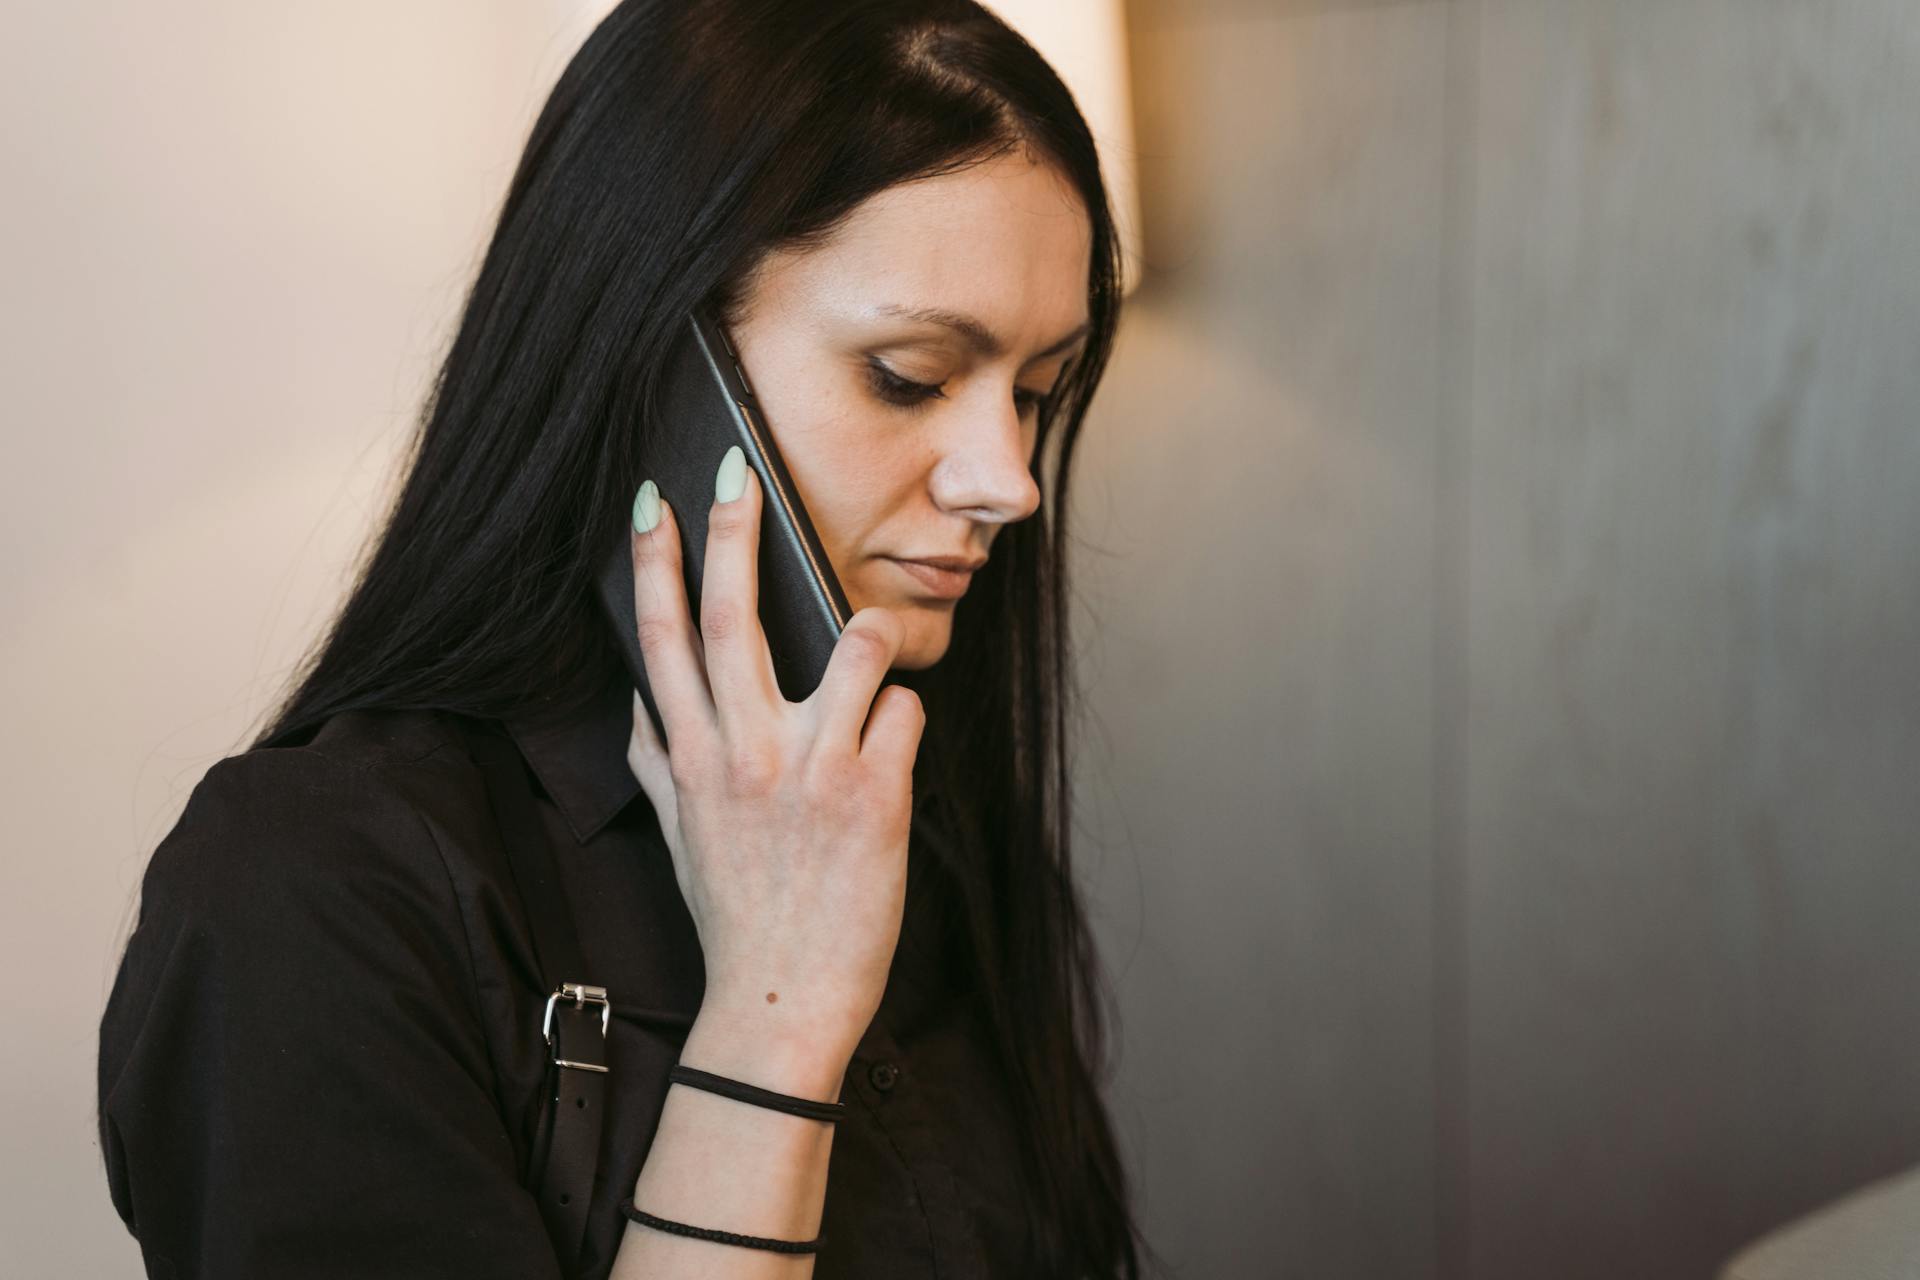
[{"x": 708, "y": 406}]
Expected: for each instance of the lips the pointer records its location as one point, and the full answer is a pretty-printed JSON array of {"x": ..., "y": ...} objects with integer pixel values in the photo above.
[
  {"x": 936, "y": 579},
  {"x": 959, "y": 564}
]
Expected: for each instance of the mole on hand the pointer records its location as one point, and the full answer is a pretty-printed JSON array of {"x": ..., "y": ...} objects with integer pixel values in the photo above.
[{"x": 771, "y": 997}]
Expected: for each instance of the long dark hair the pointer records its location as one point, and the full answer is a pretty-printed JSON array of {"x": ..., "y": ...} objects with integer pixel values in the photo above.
[{"x": 684, "y": 142}]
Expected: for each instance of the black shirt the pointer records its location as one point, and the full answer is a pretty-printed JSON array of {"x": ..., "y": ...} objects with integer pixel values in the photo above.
[{"x": 323, "y": 1040}]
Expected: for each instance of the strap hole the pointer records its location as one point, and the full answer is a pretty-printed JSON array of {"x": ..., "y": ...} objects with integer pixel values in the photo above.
[
  {"x": 579, "y": 1102},
  {"x": 565, "y": 1198}
]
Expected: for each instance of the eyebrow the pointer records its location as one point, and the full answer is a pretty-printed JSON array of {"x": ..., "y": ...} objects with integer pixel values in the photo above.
[{"x": 982, "y": 340}]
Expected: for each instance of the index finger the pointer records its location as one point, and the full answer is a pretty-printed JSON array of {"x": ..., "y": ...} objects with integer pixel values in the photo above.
[{"x": 740, "y": 675}]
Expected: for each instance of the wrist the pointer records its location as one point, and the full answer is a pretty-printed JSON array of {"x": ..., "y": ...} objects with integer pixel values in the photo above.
[{"x": 760, "y": 1048}]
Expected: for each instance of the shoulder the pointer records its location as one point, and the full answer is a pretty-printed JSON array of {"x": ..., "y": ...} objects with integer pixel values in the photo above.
[
  {"x": 300, "y": 1008},
  {"x": 334, "y": 869},
  {"x": 373, "y": 803}
]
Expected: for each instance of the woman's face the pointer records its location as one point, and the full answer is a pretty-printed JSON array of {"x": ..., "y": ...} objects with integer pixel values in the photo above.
[{"x": 900, "y": 367}]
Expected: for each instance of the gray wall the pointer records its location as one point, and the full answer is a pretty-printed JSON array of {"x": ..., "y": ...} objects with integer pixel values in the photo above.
[{"x": 1500, "y": 598}]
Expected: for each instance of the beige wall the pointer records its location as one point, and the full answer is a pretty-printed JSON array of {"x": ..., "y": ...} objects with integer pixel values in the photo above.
[
  {"x": 1498, "y": 594},
  {"x": 232, "y": 236}
]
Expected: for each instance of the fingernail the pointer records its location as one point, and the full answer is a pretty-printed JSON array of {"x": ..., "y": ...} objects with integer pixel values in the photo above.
[
  {"x": 646, "y": 508},
  {"x": 731, "y": 481}
]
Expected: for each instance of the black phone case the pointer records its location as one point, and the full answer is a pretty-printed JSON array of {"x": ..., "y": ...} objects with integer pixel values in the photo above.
[{"x": 709, "y": 406}]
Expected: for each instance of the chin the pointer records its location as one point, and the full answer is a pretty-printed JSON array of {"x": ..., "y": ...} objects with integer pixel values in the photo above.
[
  {"x": 915, "y": 662},
  {"x": 928, "y": 634}
]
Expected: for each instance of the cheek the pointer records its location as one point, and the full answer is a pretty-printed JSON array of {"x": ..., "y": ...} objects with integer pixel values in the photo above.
[{"x": 851, "y": 459}]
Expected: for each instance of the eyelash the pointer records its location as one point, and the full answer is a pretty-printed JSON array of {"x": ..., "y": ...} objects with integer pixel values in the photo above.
[{"x": 904, "y": 393}]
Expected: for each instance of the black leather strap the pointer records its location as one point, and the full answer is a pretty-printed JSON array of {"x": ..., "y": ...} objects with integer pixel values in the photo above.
[
  {"x": 567, "y": 1141},
  {"x": 577, "y": 1082}
]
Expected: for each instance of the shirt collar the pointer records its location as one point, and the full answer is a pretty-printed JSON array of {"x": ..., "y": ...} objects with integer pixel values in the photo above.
[{"x": 581, "y": 759}]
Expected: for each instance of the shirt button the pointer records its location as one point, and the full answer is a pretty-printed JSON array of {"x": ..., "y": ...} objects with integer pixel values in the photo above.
[{"x": 882, "y": 1075}]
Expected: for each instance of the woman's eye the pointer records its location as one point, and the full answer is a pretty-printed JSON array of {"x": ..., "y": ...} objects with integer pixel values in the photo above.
[
  {"x": 908, "y": 394},
  {"x": 894, "y": 389}
]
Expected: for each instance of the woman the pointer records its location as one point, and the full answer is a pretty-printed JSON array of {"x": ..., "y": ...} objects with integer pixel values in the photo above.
[{"x": 321, "y": 1051}]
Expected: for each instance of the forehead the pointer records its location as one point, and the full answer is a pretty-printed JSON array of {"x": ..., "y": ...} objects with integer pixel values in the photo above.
[{"x": 1007, "y": 240}]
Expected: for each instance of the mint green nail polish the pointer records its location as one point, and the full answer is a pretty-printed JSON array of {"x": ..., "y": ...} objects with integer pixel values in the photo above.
[
  {"x": 646, "y": 508},
  {"x": 731, "y": 481}
]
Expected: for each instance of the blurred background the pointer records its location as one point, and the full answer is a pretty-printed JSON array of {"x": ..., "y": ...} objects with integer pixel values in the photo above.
[{"x": 1498, "y": 587}]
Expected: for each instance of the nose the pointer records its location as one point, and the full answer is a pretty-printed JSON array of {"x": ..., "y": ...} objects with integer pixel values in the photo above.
[{"x": 984, "y": 470}]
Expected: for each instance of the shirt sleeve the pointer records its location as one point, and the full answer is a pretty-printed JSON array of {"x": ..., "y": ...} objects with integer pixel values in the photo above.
[{"x": 293, "y": 1077}]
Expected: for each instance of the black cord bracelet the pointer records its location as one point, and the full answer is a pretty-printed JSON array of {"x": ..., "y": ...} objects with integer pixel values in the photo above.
[
  {"x": 722, "y": 1237},
  {"x": 740, "y": 1091}
]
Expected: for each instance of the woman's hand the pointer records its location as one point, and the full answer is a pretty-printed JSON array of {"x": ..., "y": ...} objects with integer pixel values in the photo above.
[{"x": 787, "y": 822}]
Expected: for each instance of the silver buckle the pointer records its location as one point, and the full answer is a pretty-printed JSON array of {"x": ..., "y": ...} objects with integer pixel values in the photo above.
[{"x": 580, "y": 993}]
